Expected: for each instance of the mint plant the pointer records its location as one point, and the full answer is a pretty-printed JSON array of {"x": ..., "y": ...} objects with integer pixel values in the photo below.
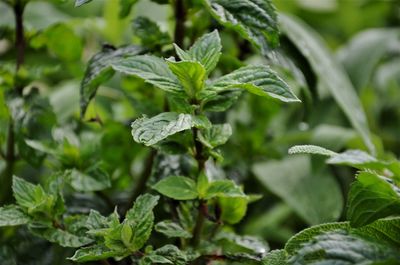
[{"x": 157, "y": 132}]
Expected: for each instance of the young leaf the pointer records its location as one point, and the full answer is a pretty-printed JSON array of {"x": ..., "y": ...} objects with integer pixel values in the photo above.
[
  {"x": 372, "y": 197},
  {"x": 259, "y": 80},
  {"x": 12, "y": 215},
  {"x": 99, "y": 70},
  {"x": 139, "y": 221},
  {"x": 171, "y": 229},
  {"x": 151, "y": 69},
  {"x": 191, "y": 75},
  {"x": 254, "y": 20},
  {"x": 223, "y": 188},
  {"x": 311, "y": 149},
  {"x": 177, "y": 187},
  {"x": 329, "y": 72},
  {"x": 27, "y": 194},
  {"x": 206, "y": 50},
  {"x": 151, "y": 131}
]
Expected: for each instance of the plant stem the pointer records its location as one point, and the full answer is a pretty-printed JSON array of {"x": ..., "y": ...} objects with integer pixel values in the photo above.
[
  {"x": 6, "y": 193},
  {"x": 198, "y": 228},
  {"x": 180, "y": 17}
]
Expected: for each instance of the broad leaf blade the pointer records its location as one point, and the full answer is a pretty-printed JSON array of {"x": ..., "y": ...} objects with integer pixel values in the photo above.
[
  {"x": 172, "y": 229},
  {"x": 254, "y": 20},
  {"x": 12, "y": 215},
  {"x": 151, "y": 69},
  {"x": 153, "y": 130},
  {"x": 96, "y": 252},
  {"x": 99, "y": 70},
  {"x": 329, "y": 72},
  {"x": 372, "y": 197},
  {"x": 61, "y": 237},
  {"x": 177, "y": 187},
  {"x": 305, "y": 191},
  {"x": 257, "y": 79}
]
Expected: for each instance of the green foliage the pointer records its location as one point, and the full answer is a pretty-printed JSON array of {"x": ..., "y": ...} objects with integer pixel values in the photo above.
[{"x": 126, "y": 135}]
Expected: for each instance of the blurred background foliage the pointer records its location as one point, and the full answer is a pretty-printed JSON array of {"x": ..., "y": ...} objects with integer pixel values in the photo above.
[{"x": 363, "y": 36}]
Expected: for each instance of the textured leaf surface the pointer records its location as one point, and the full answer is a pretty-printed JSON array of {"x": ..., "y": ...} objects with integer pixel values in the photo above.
[
  {"x": 151, "y": 69},
  {"x": 12, "y": 215},
  {"x": 96, "y": 252},
  {"x": 223, "y": 188},
  {"x": 27, "y": 194},
  {"x": 172, "y": 229},
  {"x": 94, "y": 180},
  {"x": 305, "y": 191},
  {"x": 99, "y": 70},
  {"x": 81, "y": 2},
  {"x": 151, "y": 131},
  {"x": 168, "y": 254},
  {"x": 217, "y": 135},
  {"x": 338, "y": 243},
  {"x": 61, "y": 237},
  {"x": 149, "y": 32},
  {"x": 191, "y": 75},
  {"x": 177, "y": 187},
  {"x": 259, "y": 80},
  {"x": 310, "y": 149},
  {"x": 372, "y": 197},
  {"x": 206, "y": 50},
  {"x": 329, "y": 72},
  {"x": 254, "y": 20}
]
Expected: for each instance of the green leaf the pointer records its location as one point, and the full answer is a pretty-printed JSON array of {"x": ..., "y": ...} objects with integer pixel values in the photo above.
[
  {"x": 223, "y": 188},
  {"x": 217, "y": 135},
  {"x": 338, "y": 243},
  {"x": 233, "y": 209},
  {"x": 96, "y": 221},
  {"x": 372, "y": 197},
  {"x": 232, "y": 243},
  {"x": 96, "y": 252},
  {"x": 125, "y": 7},
  {"x": 95, "y": 179},
  {"x": 254, "y": 20},
  {"x": 305, "y": 191},
  {"x": 149, "y": 32},
  {"x": 62, "y": 41},
  {"x": 168, "y": 254},
  {"x": 99, "y": 70},
  {"x": 81, "y": 2},
  {"x": 275, "y": 257},
  {"x": 222, "y": 101},
  {"x": 311, "y": 149},
  {"x": 364, "y": 51},
  {"x": 260, "y": 80},
  {"x": 329, "y": 72},
  {"x": 172, "y": 229},
  {"x": 12, "y": 215},
  {"x": 153, "y": 130},
  {"x": 61, "y": 237},
  {"x": 206, "y": 50},
  {"x": 177, "y": 187},
  {"x": 357, "y": 159},
  {"x": 191, "y": 75},
  {"x": 151, "y": 69},
  {"x": 140, "y": 220},
  {"x": 27, "y": 194}
]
